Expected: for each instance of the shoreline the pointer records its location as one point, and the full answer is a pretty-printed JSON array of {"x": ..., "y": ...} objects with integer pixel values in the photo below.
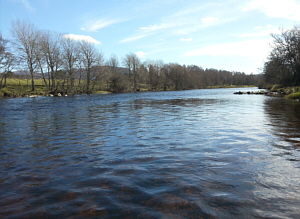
[
  {"x": 4, "y": 94},
  {"x": 291, "y": 93}
]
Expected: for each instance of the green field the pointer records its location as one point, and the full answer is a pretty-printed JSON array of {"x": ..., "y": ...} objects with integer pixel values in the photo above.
[{"x": 18, "y": 82}]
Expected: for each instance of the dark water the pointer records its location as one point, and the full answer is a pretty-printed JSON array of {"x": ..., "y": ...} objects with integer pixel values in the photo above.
[{"x": 186, "y": 154}]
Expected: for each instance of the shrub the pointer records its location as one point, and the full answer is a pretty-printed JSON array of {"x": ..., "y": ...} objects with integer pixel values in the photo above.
[{"x": 294, "y": 96}]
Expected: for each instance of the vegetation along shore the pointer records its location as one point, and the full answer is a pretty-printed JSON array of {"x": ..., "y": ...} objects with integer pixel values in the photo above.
[{"x": 43, "y": 63}]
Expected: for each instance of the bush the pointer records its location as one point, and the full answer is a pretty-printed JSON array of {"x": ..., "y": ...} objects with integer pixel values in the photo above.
[
  {"x": 4, "y": 92},
  {"x": 294, "y": 96}
]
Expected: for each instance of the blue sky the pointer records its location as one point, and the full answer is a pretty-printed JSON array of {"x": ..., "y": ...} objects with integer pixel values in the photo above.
[{"x": 231, "y": 35}]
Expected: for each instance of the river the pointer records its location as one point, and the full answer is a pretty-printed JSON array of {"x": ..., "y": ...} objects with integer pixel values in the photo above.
[{"x": 178, "y": 154}]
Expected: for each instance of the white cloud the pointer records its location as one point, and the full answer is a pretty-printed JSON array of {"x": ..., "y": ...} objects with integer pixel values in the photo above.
[
  {"x": 260, "y": 31},
  {"x": 186, "y": 40},
  {"x": 27, "y": 5},
  {"x": 209, "y": 20},
  {"x": 81, "y": 38},
  {"x": 151, "y": 28},
  {"x": 182, "y": 32},
  {"x": 133, "y": 38},
  {"x": 146, "y": 31},
  {"x": 99, "y": 24},
  {"x": 288, "y": 9},
  {"x": 254, "y": 49},
  {"x": 141, "y": 54},
  {"x": 155, "y": 27}
]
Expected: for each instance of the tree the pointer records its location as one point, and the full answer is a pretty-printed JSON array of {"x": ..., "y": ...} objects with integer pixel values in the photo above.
[
  {"x": 3, "y": 51},
  {"x": 6, "y": 60},
  {"x": 114, "y": 78},
  {"x": 275, "y": 72},
  {"x": 197, "y": 76},
  {"x": 91, "y": 61},
  {"x": 70, "y": 56},
  {"x": 286, "y": 52},
  {"x": 132, "y": 62},
  {"x": 26, "y": 39},
  {"x": 176, "y": 76},
  {"x": 155, "y": 73},
  {"x": 50, "y": 45}
]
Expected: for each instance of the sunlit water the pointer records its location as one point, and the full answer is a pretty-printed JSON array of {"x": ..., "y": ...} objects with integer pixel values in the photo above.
[{"x": 183, "y": 154}]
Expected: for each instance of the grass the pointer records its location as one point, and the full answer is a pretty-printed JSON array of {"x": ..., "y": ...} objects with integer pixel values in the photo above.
[
  {"x": 102, "y": 92},
  {"x": 291, "y": 93},
  {"x": 230, "y": 86},
  {"x": 294, "y": 96},
  {"x": 13, "y": 81},
  {"x": 22, "y": 88}
]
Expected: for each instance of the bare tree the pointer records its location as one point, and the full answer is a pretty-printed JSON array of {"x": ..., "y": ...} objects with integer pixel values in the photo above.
[
  {"x": 113, "y": 76},
  {"x": 113, "y": 63},
  {"x": 50, "y": 44},
  {"x": 91, "y": 61},
  {"x": 42, "y": 63},
  {"x": 3, "y": 51},
  {"x": 132, "y": 62},
  {"x": 26, "y": 39},
  {"x": 6, "y": 60},
  {"x": 155, "y": 73},
  {"x": 70, "y": 57},
  {"x": 286, "y": 50}
]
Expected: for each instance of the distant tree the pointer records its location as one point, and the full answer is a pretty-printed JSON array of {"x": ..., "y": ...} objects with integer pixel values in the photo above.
[
  {"x": 113, "y": 63},
  {"x": 50, "y": 46},
  {"x": 116, "y": 80},
  {"x": 26, "y": 40},
  {"x": 177, "y": 76},
  {"x": 153, "y": 77},
  {"x": 70, "y": 57},
  {"x": 155, "y": 73},
  {"x": 91, "y": 61},
  {"x": 165, "y": 76},
  {"x": 196, "y": 76},
  {"x": 132, "y": 63}
]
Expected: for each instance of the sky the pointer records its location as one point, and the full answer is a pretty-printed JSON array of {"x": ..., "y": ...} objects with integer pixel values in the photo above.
[{"x": 232, "y": 35}]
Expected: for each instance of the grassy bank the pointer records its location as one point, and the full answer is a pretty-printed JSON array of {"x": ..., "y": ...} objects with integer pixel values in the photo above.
[
  {"x": 22, "y": 88},
  {"x": 294, "y": 96},
  {"x": 229, "y": 86},
  {"x": 292, "y": 93}
]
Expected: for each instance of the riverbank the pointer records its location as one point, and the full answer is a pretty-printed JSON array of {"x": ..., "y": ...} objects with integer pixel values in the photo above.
[
  {"x": 16, "y": 92},
  {"x": 23, "y": 90},
  {"x": 292, "y": 93}
]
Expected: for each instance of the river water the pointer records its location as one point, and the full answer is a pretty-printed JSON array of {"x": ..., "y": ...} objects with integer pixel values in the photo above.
[{"x": 177, "y": 154}]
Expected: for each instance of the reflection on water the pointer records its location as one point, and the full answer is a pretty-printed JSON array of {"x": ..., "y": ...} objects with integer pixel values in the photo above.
[
  {"x": 187, "y": 154},
  {"x": 284, "y": 117}
]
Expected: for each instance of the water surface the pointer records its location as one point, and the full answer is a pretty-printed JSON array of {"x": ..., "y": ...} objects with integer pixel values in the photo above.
[{"x": 181, "y": 154}]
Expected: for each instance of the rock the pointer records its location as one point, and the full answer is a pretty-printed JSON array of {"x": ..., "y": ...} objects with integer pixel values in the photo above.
[
  {"x": 240, "y": 92},
  {"x": 253, "y": 92}
]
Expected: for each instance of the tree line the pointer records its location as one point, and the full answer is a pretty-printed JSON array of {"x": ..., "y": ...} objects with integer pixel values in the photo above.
[
  {"x": 283, "y": 65},
  {"x": 71, "y": 66}
]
